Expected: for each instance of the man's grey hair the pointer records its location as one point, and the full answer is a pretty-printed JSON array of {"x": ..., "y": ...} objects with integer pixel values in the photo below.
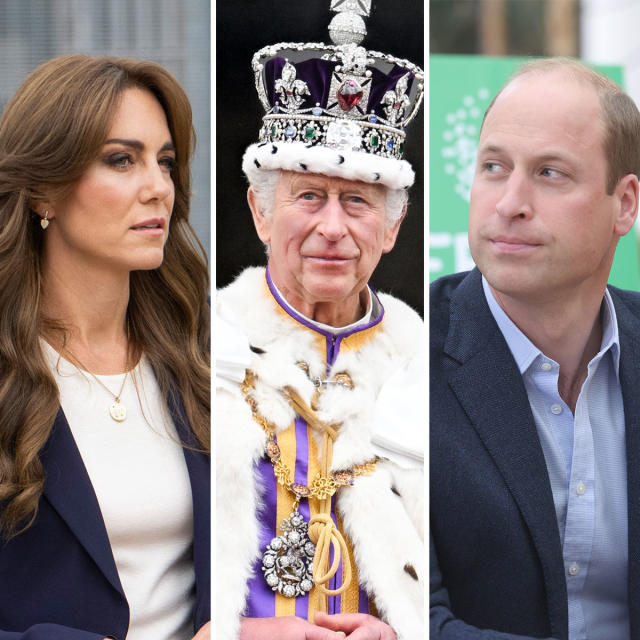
[{"x": 264, "y": 186}]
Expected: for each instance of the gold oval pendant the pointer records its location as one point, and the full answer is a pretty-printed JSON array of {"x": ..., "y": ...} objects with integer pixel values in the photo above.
[{"x": 118, "y": 411}]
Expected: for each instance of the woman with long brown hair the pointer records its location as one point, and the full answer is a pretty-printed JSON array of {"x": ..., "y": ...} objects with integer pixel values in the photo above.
[{"x": 104, "y": 366}]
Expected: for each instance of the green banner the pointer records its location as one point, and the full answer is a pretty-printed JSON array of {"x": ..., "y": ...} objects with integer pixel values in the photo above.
[{"x": 460, "y": 90}]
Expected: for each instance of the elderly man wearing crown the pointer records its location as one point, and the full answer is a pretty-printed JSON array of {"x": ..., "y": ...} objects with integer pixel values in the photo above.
[{"x": 319, "y": 404}]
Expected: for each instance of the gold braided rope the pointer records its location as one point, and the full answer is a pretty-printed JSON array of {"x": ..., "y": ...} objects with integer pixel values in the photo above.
[{"x": 322, "y": 530}]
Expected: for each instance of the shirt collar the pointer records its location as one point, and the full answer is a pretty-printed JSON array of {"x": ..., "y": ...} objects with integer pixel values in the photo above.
[{"x": 525, "y": 352}]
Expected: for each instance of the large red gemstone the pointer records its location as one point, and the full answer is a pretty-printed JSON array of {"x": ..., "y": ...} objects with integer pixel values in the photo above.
[{"x": 349, "y": 95}]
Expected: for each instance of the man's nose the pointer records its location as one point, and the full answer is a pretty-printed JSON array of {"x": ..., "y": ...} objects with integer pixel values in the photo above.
[
  {"x": 332, "y": 220},
  {"x": 516, "y": 198}
]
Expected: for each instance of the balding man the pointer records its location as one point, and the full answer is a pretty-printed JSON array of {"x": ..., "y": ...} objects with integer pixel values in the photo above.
[{"x": 535, "y": 411}]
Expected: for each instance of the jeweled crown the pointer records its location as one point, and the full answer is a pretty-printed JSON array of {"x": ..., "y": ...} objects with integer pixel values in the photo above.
[{"x": 338, "y": 96}]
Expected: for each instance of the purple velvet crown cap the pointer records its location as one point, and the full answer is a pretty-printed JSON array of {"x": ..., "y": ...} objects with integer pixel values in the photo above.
[{"x": 318, "y": 75}]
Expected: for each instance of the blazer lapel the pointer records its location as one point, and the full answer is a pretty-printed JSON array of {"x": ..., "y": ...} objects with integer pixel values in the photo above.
[
  {"x": 498, "y": 407},
  {"x": 199, "y": 468},
  {"x": 629, "y": 329},
  {"x": 69, "y": 491}
]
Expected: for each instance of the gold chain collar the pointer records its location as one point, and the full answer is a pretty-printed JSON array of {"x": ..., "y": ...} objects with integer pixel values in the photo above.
[
  {"x": 322, "y": 530},
  {"x": 323, "y": 486}
]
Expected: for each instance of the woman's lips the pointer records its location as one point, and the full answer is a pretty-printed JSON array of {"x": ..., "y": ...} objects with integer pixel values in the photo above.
[{"x": 151, "y": 227}]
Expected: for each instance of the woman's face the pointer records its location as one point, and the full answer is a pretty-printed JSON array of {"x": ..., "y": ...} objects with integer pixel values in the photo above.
[{"x": 116, "y": 217}]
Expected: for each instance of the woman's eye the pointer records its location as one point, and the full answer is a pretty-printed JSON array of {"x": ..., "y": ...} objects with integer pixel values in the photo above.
[
  {"x": 119, "y": 161},
  {"x": 168, "y": 162},
  {"x": 308, "y": 196}
]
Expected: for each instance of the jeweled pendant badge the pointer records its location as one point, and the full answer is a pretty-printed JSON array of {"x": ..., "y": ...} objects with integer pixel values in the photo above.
[{"x": 287, "y": 562}]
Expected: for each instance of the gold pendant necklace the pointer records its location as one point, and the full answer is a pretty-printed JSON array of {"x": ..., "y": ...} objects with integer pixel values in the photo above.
[{"x": 117, "y": 410}]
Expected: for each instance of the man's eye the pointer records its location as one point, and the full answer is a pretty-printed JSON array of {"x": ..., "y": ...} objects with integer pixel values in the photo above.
[{"x": 547, "y": 172}]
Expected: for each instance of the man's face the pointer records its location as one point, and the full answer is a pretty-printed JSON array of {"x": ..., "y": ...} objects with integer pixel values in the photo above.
[
  {"x": 540, "y": 221},
  {"x": 326, "y": 236}
]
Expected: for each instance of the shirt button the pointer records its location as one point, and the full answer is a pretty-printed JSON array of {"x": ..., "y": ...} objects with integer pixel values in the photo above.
[
  {"x": 574, "y": 569},
  {"x": 556, "y": 409},
  {"x": 546, "y": 366},
  {"x": 581, "y": 488}
]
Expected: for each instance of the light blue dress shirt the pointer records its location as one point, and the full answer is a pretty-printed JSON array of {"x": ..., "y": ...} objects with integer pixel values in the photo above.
[{"x": 586, "y": 460}]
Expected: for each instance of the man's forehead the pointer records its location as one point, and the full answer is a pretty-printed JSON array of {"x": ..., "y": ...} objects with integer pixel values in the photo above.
[
  {"x": 563, "y": 83},
  {"x": 552, "y": 100},
  {"x": 294, "y": 180}
]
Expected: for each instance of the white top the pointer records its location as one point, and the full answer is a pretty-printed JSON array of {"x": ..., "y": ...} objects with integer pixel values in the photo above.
[{"x": 138, "y": 472}]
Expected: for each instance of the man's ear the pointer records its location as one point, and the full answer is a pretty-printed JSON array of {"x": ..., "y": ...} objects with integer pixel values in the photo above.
[
  {"x": 627, "y": 193},
  {"x": 261, "y": 222},
  {"x": 391, "y": 233}
]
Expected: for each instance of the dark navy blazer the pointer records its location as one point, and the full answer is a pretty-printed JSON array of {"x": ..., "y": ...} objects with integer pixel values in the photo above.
[
  {"x": 58, "y": 579},
  {"x": 496, "y": 557}
]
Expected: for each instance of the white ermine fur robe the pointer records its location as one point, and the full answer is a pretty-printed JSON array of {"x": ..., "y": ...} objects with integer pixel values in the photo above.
[{"x": 382, "y": 513}]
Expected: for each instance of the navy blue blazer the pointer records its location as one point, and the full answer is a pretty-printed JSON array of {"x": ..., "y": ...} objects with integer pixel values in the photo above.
[
  {"x": 496, "y": 556},
  {"x": 58, "y": 579}
]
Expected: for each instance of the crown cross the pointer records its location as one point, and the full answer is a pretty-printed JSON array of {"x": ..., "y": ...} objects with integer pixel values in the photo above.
[{"x": 359, "y": 7}]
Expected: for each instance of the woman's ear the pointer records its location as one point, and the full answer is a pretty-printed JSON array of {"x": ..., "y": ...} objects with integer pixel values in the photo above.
[{"x": 45, "y": 210}]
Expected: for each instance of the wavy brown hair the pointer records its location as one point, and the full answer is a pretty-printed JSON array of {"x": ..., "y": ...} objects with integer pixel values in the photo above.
[{"x": 50, "y": 132}]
